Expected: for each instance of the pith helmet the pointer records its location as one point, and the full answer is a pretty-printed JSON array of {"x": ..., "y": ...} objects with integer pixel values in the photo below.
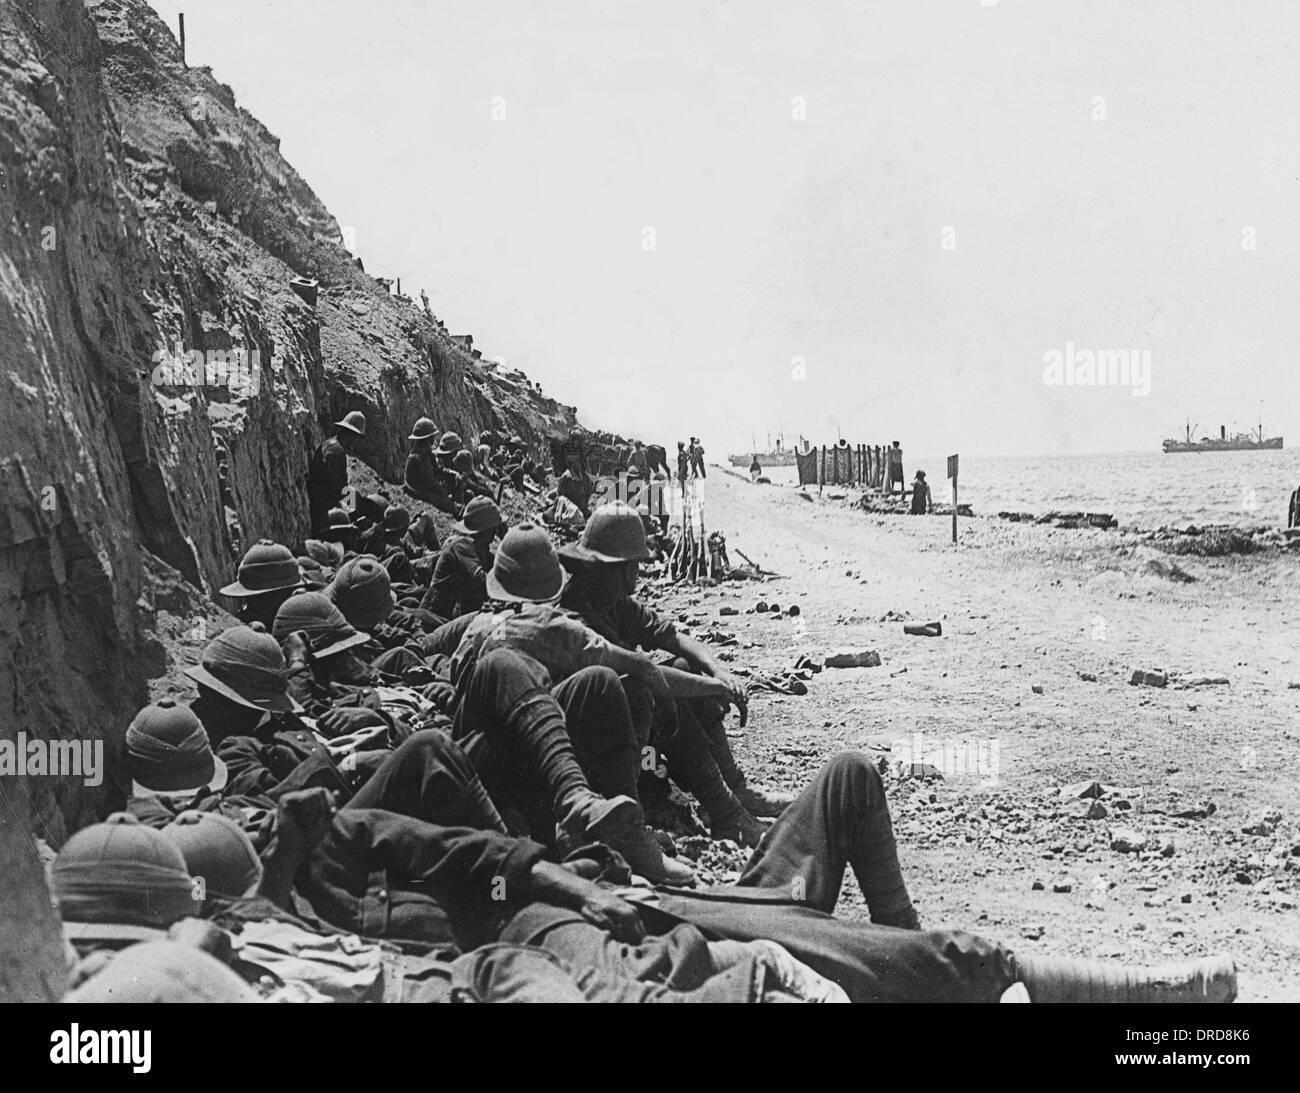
[
  {"x": 217, "y": 851},
  {"x": 480, "y": 514},
  {"x": 328, "y": 631},
  {"x": 526, "y": 568},
  {"x": 355, "y": 422},
  {"x": 341, "y": 521},
  {"x": 120, "y": 879},
  {"x": 168, "y": 752},
  {"x": 363, "y": 592},
  {"x": 266, "y": 567},
  {"x": 245, "y": 664},
  {"x": 424, "y": 429},
  {"x": 614, "y": 533},
  {"x": 396, "y": 519}
]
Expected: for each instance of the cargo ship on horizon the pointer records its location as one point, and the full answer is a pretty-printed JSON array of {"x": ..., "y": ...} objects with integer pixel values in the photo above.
[
  {"x": 1238, "y": 442},
  {"x": 778, "y": 456}
]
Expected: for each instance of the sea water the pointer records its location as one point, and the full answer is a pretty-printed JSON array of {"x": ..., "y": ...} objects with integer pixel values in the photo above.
[{"x": 1141, "y": 489}]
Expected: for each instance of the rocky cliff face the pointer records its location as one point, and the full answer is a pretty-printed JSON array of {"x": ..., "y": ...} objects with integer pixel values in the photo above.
[{"x": 146, "y": 217}]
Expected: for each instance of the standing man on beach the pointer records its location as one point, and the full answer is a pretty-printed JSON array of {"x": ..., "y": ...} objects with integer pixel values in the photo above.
[
  {"x": 327, "y": 474},
  {"x": 922, "y": 500},
  {"x": 697, "y": 458},
  {"x": 894, "y": 467}
]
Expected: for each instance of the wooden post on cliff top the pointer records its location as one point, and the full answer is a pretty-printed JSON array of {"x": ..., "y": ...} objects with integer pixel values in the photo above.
[
  {"x": 952, "y": 473},
  {"x": 181, "y": 20}
]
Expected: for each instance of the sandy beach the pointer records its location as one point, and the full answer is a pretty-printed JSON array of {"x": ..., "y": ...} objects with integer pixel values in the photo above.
[{"x": 1028, "y": 613}]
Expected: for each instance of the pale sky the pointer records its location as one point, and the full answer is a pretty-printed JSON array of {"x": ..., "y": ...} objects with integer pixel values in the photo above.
[{"x": 1099, "y": 162}]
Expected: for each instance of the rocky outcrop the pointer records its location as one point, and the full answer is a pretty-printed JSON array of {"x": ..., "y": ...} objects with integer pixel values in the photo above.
[{"x": 145, "y": 217}]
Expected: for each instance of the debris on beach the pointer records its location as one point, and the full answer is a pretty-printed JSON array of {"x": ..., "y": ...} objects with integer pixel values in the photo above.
[
  {"x": 1169, "y": 571},
  {"x": 1124, "y": 840},
  {"x": 790, "y": 682},
  {"x": 1212, "y": 542},
  {"x": 1143, "y": 678},
  {"x": 714, "y": 636},
  {"x": 1080, "y": 790},
  {"x": 1220, "y": 540},
  {"x": 1069, "y": 520},
  {"x": 867, "y": 658},
  {"x": 898, "y": 504},
  {"x": 1264, "y": 825},
  {"x": 1202, "y": 681},
  {"x": 924, "y": 771},
  {"x": 1087, "y": 809}
]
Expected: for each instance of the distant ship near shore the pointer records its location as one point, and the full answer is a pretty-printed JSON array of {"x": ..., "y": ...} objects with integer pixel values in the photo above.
[
  {"x": 778, "y": 456},
  {"x": 1238, "y": 442}
]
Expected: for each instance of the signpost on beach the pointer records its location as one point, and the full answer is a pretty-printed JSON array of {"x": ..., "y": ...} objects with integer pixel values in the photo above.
[{"x": 952, "y": 473}]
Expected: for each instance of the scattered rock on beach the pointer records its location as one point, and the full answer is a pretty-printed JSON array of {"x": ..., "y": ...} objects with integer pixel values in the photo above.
[
  {"x": 1078, "y": 790},
  {"x": 1166, "y": 570},
  {"x": 1142, "y": 678},
  {"x": 1087, "y": 809},
  {"x": 1263, "y": 825},
  {"x": 919, "y": 770},
  {"x": 1197, "y": 812},
  {"x": 1125, "y": 840},
  {"x": 868, "y": 658},
  {"x": 1204, "y": 681}
]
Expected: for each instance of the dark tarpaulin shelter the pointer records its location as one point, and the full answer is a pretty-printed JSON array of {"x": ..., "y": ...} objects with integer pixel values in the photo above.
[{"x": 808, "y": 466}]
